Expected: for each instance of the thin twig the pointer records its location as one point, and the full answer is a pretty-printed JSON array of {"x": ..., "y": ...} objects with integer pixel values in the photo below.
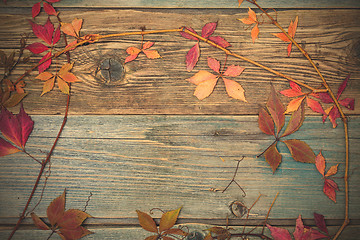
[
  {"x": 233, "y": 178},
  {"x": 31, "y": 156},
  {"x": 248, "y": 213},
  {"x": 268, "y": 213}
]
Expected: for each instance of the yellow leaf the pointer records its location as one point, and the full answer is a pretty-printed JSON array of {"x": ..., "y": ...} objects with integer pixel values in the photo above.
[
  {"x": 63, "y": 86},
  {"x": 66, "y": 68},
  {"x": 332, "y": 171},
  {"x": 168, "y": 219},
  {"x": 48, "y": 85},
  {"x": 294, "y": 104},
  {"x": 44, "y": 76}
]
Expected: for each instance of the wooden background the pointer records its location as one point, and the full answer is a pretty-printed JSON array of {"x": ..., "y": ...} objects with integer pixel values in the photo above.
[{"x": 146, "y": 142}]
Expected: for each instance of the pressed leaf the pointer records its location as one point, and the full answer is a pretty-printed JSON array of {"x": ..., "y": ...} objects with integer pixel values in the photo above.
[
  {"x": 37, "y": 48},
  {"x": 201, "y": 76},
  {"x": 56, "y": 209},
  {"x": 240, "y": 2},
  {"x": 39, "y": 223},
  {"x": 153, "y": 237},
  {"x": 36, "y": 9},
  {"x": 147, "y": 222},
  {"x": 48, "y": 86},
  {"x": 208, "y": 29},
  {"x": 342, "y": 86},
  {"x": 289, "y": 49},
  {"x": 130, "y": 58},
  {"x": 294, "y": 91},
  {"x": 266, "y": 123},
  {"x": 349, "y": 103},
  {"x": 7, "y": 148},
  {"x": 10, "y": 127},
  {"x": 152, "y": 54},
  {"x": 300, "y": 151},
  {"x": 188, "y": 36},
  {"x": 147, "y": 45},
  {"x": 332, "y": 171},
  {"x": 205, "y": 88},
  {"x": 299, "y": 229},
  {"x": 221, "y": 233},
  {"x": 72, "y": 218},
  {"x": 176, "y": 231},
  {"x": 276, "y": 109},
  {"x": 167, "y": 238},
  {"x": 44, "y": 76},
  {"x": 45, "y": 65},
  {"x": 296, "y": 120},
  {"x": 329, "y": 189},
  {"x": 279, "y": 233},
  {"x": 133, "y": 50},
  {"x": 214, "y": 64},
  {"x": 63, "y": 86},
  {"x": 66, "y": 68},
  {"x": 255, "y": 33},
  {"x": 49, "y": 9},
  {"x": 325, "y": 98},
  {"x": 57, "y": 35},
  {"x": 273, "y": 157},
  {"x": 314, "y": 105},
  {"x": 26, "y": 125},
  {"x": 69, "y": 77},
  {"x": 220, "y": 41},
  {"x": 192, "y": 57},
  {"x": 233, "y": 71},
  {"x": 234, "y": 89},
  {"x": 333, "y": 115},
  {"x": 320, "y": 222},
  {"x": 14, "y": 99},
  {"x": 168, "y": 219},
  {"x": 320, "y": 163},
  {"x": 44, "y": 32},
  {"x": 76, "y": 233},
  {"x": 294, "y": 104}
]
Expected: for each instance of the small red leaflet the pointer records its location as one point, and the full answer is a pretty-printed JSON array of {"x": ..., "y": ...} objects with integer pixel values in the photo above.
[
  {"x": 49, "y": 9},
  {"x": 50, "y": 36},
  {"x": 206, "y": 81},
  {"x": 134, "y": 52},
  {"x": 330, "y": 185},
  {"x": 16, "y": 129},
  {"x": 193, "y": 54}
]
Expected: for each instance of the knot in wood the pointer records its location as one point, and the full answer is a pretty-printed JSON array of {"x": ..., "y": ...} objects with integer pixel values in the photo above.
[
  {"x": 238, "y": 209},
  {"x": 111, "y": 71}
]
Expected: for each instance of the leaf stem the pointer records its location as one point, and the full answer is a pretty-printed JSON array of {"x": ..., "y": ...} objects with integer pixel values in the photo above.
[
  {"x": 276, "y": 140},
  {"x": 24, "y": 151},
  {"x": 343, "y": 116}
]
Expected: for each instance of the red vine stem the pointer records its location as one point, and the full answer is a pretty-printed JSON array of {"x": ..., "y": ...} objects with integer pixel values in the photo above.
[{"x": 343, "y": 117}]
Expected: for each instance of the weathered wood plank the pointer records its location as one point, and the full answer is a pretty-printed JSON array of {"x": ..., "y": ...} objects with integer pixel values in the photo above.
[
  {"x": 142, "y": 162},
  {"x": 194, "y": 3},
  {"x": 159, "y": 86}
]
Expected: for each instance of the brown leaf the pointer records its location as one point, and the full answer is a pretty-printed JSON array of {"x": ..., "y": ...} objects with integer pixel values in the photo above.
[
  {"x": 146, "y": 222},
  {"x": 39, "y": 223},
  {"x": 296, "y": 120},
  {"x": 273, "y": 157},
  {"x": 266, "y": 124},
  {"x": 332, "y": 171},
  {"x": 320, "y": 163},
  {"x": 276, "y": 109},
  {"x": 300, "y": 151},
  {"x": 153, "y": 237},
  {"x": 176, "y": 231},
  {"x": 72, "y": 219},
  {"x": 76, "y": 233},
  {"x": 221, "y": 233},
  {"x": 14, "y": 99},
  {"x": 168, "y": 219},
  {"x": 56, "y": 209}
]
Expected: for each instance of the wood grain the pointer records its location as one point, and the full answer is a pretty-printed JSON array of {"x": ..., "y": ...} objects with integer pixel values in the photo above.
[
  {"x": 142, "y": 162},
  {"x": 160, "y": 87},
  {"x": 192, "y": 3}
]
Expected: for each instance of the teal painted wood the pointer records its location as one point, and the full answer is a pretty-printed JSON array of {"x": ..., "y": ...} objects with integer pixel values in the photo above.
[
  {"x": 142, "y": 162},
  {"x": 196, "y": 4}
]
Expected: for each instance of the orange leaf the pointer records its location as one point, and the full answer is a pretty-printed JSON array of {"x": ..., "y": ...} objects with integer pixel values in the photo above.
[
  {"x": 56, "y": 209},
  {"x": 72, "y": 219},
  {"x": 44, "y": 76},
  {"x": 146, "y": 222},
  {"x": 273, "y": 157},
  {"x": 152, "y": 54},
  {"x": 233, "y": 71},
  {"x": 289, "y": 49},
  {"x": 214, "y": 64},
  {"x": 66, "y": 68},
  {"x": 294, "y": 104},
  {"x": 147, "y": 45},
  {"x": 296, "y": 120},
  {"x": 69, "y": 77},
  {"x": 320, "y": 163},
  {"x": 73, "y": 28},
  {"x": 133, "y": 50},
  {"x": 168, "y": 219},
  {"x": 246, "y": 20},
  {"x": 39, "y": 223},
  {"x": 63, "y": 86},
  {"x": 282, "y": 36},
  {"x": 201, "y": 76},
  {"x": 77, "y": 24},
  {"x": 252, "y": 15},
  {"x": 130, "y": 58},
  {"x": 48, "y": 86},
  {"x": 240, "y": 2},
  {"x": 293, "y": 26},
  {"x": 234, "y": 89},
  {"x": 332, "y": 171},
  {"x": 255, "y": 33},
  {"x": 205, "y": 88}
]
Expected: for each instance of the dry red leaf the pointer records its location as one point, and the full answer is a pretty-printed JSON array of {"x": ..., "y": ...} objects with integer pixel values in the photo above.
[
  {"x": 333, "y": 112},
  {"x": 266, "y": 124},
  {"x": 134, "y": 52},
  {"x": 291, "y": 31},
  {"x": 276, "y": 110},
  {"x": 279, "y": 233},
  {"x": 320, "y": 222},
  {"x": 329, "y": 189},
  {"x": 192, "y": 56},
  {"x": 67, "y": 224},
  {"x": 300, "y": 151},
  {"x": 251, "y": 19},
  {"x": 206, "y": 81},
  {"x": 49, "y": 9},
  {"x": 273, "y": 157},
  {"x": 320, "y": 163},
  {"x": 16, "y": 129},
  {"x": 296, "y": 120}
]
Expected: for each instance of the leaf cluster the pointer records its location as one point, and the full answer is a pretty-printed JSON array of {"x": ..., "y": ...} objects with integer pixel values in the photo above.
[{"x": 272, "y": 120}]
